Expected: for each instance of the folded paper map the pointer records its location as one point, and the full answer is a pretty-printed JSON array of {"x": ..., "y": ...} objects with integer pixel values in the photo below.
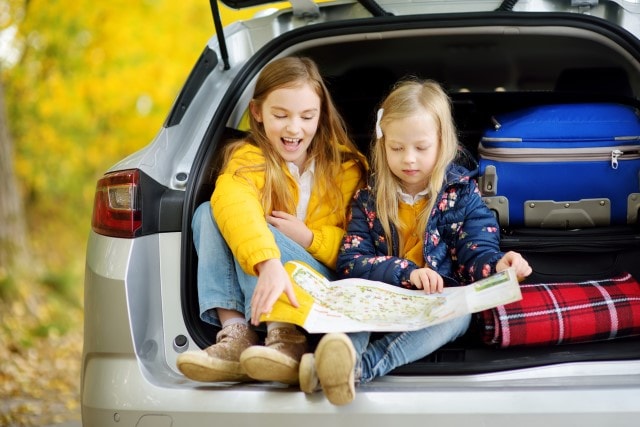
[{"x": 352, "y": 305}]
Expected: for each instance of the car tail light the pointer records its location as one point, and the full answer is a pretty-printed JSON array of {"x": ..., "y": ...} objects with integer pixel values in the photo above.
[{"x": 116, "y": 207}]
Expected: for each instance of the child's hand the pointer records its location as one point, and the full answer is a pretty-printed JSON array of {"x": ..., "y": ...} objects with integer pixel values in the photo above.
[
  {"x": 273, "y": 280},
  {"x": 427, "y": 279},
  {"x": 291, "y": 227},
  {"x": 515, "y": 260}
]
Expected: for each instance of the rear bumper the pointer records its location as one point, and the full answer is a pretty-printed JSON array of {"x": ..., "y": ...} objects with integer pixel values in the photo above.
[{"x": 116, "y": 392}]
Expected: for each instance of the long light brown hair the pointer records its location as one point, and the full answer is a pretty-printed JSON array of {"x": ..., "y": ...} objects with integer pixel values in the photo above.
[
  {"x": 330, "y": 147},
  {"x": 408, "y": 97}
]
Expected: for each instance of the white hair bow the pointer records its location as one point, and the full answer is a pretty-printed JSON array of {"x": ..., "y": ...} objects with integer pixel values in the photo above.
[{"x": 378, "y": 128}]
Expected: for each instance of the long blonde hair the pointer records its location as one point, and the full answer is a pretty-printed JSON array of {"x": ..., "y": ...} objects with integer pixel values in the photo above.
[
  {"x": 325, "y": 149},
  {"x": 405, "y": 99}
]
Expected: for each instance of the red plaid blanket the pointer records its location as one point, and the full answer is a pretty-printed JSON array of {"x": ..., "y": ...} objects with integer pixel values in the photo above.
[{"x": 560, "y": 313}]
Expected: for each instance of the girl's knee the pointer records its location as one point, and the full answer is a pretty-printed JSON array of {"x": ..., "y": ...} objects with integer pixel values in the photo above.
[
  {"x": 462, "y": 325},
  {"x": 203, "y": 219},
  {"x": 201, "y": 211}
]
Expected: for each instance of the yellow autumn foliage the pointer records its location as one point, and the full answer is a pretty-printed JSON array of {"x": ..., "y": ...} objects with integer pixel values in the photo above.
[{"x": 93, "y": 83}]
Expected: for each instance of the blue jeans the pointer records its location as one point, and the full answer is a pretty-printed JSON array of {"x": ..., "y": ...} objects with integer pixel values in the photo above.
[
  {"x": 221, "y": 281},
  {"x": 377, "y": 358}
]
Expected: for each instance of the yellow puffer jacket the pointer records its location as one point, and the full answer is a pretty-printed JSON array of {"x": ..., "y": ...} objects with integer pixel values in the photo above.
[{"x": 237, "y": 210}]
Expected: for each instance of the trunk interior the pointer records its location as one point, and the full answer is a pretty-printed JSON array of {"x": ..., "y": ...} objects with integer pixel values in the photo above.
[{"x": 488, "y": 69}]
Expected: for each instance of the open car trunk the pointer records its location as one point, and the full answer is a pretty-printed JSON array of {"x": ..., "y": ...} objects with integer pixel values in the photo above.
[{"x": 489, "y": 63}]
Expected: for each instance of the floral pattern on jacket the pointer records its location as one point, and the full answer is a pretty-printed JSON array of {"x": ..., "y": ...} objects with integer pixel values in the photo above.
[{"x": 461, "y": 241}]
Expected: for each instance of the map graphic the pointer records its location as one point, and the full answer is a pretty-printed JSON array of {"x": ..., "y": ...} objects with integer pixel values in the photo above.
[{"x": 352, "y": 305}]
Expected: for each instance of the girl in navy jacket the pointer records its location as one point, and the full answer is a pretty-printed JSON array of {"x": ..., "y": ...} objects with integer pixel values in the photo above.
[{"x": 420, "y": 223}]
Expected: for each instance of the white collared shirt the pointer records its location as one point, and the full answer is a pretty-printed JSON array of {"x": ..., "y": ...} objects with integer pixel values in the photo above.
[
  {"x": 411, "y": 200},
  {"x": 304, "y": 186}
]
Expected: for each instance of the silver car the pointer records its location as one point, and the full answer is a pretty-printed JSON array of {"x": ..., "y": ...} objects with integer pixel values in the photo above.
[{"x": 141, "y": 307}]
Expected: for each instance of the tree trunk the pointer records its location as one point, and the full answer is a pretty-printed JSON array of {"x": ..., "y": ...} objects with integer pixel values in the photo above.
[{"x": 12, "y": 225}]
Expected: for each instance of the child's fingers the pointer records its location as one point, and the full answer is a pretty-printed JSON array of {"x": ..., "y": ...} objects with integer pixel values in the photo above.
[
  {"x": 292, "y": 296},
  {"x": 260, "y": 305},
  {"x": 436, "y": 284},
  {"x": 430, "y": 281}
]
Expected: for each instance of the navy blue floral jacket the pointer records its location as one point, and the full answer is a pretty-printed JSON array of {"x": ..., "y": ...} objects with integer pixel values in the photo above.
[{"x": 461, "y": 241}]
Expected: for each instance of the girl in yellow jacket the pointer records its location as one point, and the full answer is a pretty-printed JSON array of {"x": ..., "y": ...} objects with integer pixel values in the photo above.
[{"x": 282, "y": 195}]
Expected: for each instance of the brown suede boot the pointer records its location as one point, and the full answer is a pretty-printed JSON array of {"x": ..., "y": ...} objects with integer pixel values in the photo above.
[
  {"x": 278, "y": 359},
  {"x": 221, "y": 361}
]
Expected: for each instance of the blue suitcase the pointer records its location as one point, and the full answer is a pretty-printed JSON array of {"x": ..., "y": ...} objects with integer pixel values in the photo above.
[{"x": 563, "y": 166}]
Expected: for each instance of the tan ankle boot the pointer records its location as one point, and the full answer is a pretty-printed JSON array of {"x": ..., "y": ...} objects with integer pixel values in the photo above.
[
  {"x": 307, "y": 374},
  {"x": 279, "y": 359},
  {"x": 221, "y": 361},
  {"x": 335, "y": 361}
]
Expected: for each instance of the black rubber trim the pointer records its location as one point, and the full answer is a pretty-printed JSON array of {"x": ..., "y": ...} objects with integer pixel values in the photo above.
[
  {"x": 207, "y": 61},
  {"x": 455, "y": 358},
  {"x": 161, "y": 207},
  {"x": 507, "y": 5}
]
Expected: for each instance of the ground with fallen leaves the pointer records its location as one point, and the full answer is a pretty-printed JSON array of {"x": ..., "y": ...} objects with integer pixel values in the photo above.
[{"x": 40, "y": 356}]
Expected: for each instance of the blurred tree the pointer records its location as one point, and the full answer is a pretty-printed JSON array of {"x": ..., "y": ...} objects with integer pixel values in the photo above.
[
  {"x": 92, "y": 83},
  {"x": 13, "y": 238},
  {"x": 12, "y": 227},
  {"x": 87, "y": 83}
]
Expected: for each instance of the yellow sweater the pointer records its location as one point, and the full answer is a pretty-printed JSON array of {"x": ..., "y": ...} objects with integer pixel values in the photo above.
[
  {"x": 411, "y": 239},
  {"x": 237, "y": 210}
]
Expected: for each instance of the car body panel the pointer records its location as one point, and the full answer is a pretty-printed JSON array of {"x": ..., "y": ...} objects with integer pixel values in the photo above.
[
  {"x": 136, "y": 318},
  {"x": 579, "y": 394}
]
